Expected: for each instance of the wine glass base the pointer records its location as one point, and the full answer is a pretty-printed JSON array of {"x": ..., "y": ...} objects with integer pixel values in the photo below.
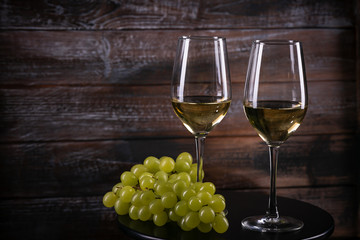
[{"x": 266, "y": 224}]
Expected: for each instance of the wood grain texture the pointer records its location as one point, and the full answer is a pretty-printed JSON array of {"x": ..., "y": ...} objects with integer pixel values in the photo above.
[
  {"x": 146, "y": 57},
  {"x": 85, "y": 168},
  {"x": 357, "y": 36},
  {"x": 86, "y": 218},
  {"x": 84, "y": 95},
  {"x": 47, "y": 113},
  {"x": 159, "y": 14}
]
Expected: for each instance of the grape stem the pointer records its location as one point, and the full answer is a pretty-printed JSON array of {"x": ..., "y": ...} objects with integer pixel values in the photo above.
[
  {"x": 199, "y": 144},
  {"x": 135, "y": 187}
]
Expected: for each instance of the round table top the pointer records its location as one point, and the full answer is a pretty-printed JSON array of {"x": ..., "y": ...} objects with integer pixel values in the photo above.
[{"x": 318, "y": 224}]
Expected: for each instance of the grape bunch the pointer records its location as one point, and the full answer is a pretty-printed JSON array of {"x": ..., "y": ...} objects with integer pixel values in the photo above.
[{"x": 164, "y": 190}]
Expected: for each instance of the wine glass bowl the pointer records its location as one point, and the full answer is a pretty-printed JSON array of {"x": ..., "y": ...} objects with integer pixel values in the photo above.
[
  {"x": 201, "y": 87},
  {"x": 275, "y": 103}
]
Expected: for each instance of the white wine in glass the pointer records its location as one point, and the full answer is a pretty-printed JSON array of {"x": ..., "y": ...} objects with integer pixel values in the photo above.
[
  {"x": 201, "y": 87},
  {"x": 275, "y": 103}
]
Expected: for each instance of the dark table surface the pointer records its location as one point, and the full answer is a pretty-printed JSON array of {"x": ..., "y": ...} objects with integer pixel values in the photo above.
[
  {"x": 318, "y": 224},
  {"x": 86, "y": 218}
]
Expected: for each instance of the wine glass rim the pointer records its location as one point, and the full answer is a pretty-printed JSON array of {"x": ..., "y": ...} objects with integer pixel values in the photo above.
[
  {"x": 277, "y": 42},
  {"x": 212, "y": 38}
]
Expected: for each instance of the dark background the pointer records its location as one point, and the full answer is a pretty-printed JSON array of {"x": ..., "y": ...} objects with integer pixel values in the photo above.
[{"x": 84, "y": 95}]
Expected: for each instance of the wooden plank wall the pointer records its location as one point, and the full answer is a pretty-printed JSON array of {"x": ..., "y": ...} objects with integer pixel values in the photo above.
[{"x": 84, "y": 94}]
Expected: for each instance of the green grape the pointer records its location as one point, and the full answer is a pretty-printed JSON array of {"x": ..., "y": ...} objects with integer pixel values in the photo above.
[
  {"x": 133, "y": 212},
  {"x": 117, "y": 187},
  {"x": 144, "y": 213},
  {"x": 187, "y": 193},
  {"x": 206, "y": 214},
  {"x": 162, "y": 187},
  {"x": 181, "y": 165},
  {"x": 121, "y": 208},
  {"x": 173, "y": 178},
  {"x": 152, "y": 164},
  {"x": 205, "y": 197},
  {"x": 138, "y": 169},
  {"x": 220, "y": 196},
  {"x": 162, "y": 176},
  {"x": 160, "y": 218},
  {"x": 181, "y": 208},
  {"x": 109, "y": 199},
  {"x": 179, "y": 186},
  {"x": 223, "y": 213},
  {"x": 146, "y": 182},
  {"x": 173, "y": 216},
  {"x": 192, "y": 219},
  {"x": 156, "y": 206},
  {"x": 193, "y": 173},
  {"x": 170, "y": 185},
  {"x": 146, "y": 174},
  {"x": 186, "y": 157},
  {"x": 156, "y": 183},
  {"x": 204, "y": 227},
  {"x": 208, "y": 187},
  {"x": 182, "y": 199},
  {"x": 126, "y": 193},
  {"x": 196, "y": 186},
  {"x": 194, "y": 203},
  {"x": 146, "y": 197},
  {"x": 183, "y": 225},
  {"x": 169, "y": 199},
  {"x": 217, "y": 204},
  {"x": 128, "y": 179},
  {"x": 220, "y": 224},
  {"x": 167, "y": 164},
  {"x": 135, "y": 200},
  {"x": 185, "y": 177}
]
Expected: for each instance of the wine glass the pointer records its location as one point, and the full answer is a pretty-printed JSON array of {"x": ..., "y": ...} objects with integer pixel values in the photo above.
[
  {"x": 275, "y": 103},
  {"x": 201, "y": 87}
]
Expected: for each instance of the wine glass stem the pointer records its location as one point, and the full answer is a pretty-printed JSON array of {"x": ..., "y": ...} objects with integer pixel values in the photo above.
[
  {"x": 199, "y": 143},
  {"x": 272, "y": 211}
]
